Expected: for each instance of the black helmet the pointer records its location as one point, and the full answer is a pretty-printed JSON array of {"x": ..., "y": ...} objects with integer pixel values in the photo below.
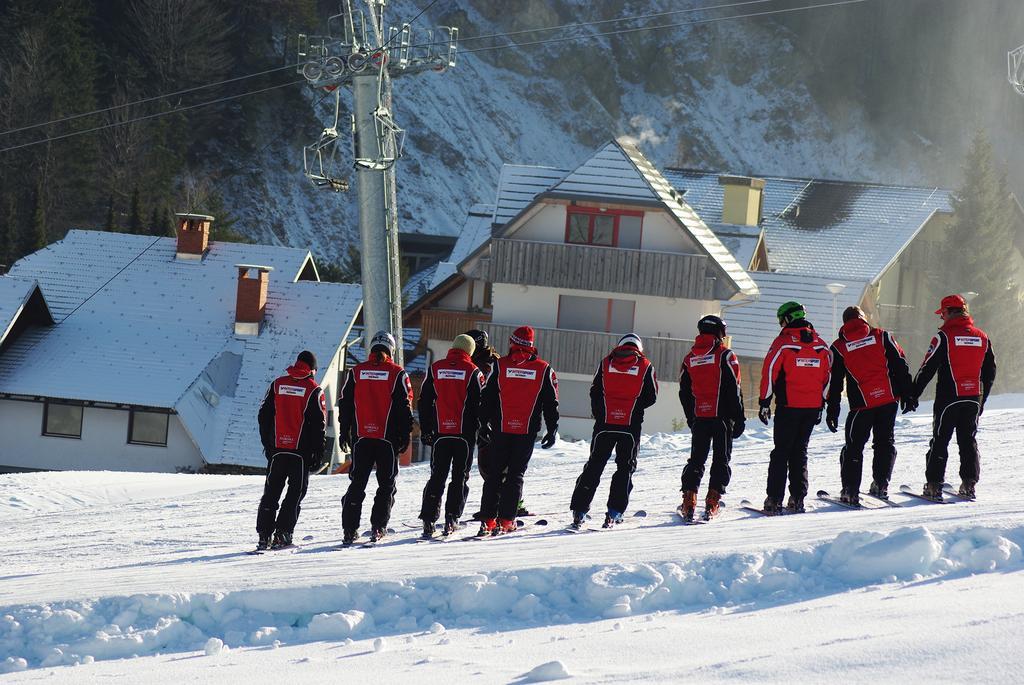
[
  {"x": 712, "y": 325},
  {"x": 479, "y": 337}
]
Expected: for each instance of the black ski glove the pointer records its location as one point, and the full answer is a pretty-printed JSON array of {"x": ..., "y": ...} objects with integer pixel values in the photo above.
[
  {"x": 738, "y": 427},
  {"x": 483, "y": 436},
  {"x": 427, "y": 439},
  {"x": 403, "y": 445},
  {"x": 549, "y": 440},
  {"x": 832, "y": 421},
  {"x": 908, "y": 404},
  {"x": 765, "y": 414}
]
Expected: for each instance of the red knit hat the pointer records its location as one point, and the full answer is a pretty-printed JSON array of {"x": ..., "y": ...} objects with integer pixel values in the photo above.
[
  {"x": 522, "y": 336},
  {"x": 951, "y": 302}
]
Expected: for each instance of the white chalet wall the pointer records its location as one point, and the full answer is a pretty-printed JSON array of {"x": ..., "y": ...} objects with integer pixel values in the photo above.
[
  {"x": 103, "y": 446},
  {"x": 661, "y": 233},
  {"x": 546, "y": 226}
]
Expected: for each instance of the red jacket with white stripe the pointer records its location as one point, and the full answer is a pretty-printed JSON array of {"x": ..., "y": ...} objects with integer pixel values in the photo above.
[
  {"x": 961, "y": 354},
  {"x": 376, "y": 402},
  {"x": 293, "y": 416},
  {"x": 520, "y": 388},
  {"x": 709, "y": 381},
  {"x": 872, "y": 364},
  {"x": 450, "y": 397},
  {"x": 797, "y": 369},
  {"x": 624, "y": 386}
]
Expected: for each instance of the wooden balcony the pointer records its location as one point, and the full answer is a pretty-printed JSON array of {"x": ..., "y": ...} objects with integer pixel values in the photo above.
[
  {"x": 608, "y": 269},
  {"x": 443, "y": 324},
  {"x": 581, "y": 351}
]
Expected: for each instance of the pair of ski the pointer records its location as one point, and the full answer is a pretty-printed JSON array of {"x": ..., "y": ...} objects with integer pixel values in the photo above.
[
  {"x": 520, "y": 524},
  {"x": 638, "y": 514},
  {"x": 693, "y": 520},
  {"x": 274, "y": 550},
  {"x": 947, "y": 489},
  {"x": 824, "y": 496}
]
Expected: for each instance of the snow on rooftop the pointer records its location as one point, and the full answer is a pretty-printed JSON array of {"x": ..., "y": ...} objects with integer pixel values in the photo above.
[
  {"x": 518, "y": 186},
  {"x": 15, "y": 293}
]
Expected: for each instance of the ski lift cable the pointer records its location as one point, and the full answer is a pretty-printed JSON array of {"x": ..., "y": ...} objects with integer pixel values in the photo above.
[{"x": 150, "y": 116}]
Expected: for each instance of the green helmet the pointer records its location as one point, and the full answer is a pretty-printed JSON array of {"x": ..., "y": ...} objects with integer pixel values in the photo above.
[{"x": 790, "y": 312}]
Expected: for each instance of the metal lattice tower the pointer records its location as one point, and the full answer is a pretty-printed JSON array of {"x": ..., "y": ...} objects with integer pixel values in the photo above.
[{"x": 358, "y": 52}]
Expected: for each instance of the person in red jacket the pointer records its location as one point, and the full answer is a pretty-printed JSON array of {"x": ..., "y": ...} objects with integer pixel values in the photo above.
[
  {"x": 624, "y": 386},
  {"x": 375, "y": 419},
  {"x": 712, "y": 399},
  {"x": 449, "y": 406},
  {"x": 520, "y": 388},
  {"x": 293, "y": 425},
  {"x": 877, "y": 378},
  {"x": 796, "y": 373},
  {"x": 962, "y": 356}
]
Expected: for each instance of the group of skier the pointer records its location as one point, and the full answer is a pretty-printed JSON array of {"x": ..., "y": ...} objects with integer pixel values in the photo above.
[{"x": 475, "y": 399}]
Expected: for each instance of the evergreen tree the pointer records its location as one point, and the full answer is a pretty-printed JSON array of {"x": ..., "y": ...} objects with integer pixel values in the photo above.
[
  {"x": 135, "y": 214},
  {"x": 111, "y": 223},
  {"x": 8, "y": 223},
  {"x": 34, "y": 234},
  {"x": 156, "y": 222}
]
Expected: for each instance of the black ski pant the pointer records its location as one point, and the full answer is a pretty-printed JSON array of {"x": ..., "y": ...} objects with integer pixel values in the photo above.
[
  {"x": 625, "y": 445},
  {"x": 960, "y": 417},
  {"x": 281, "y": 468},
  {"x": 792, "y": 432},
  {"x": 879, "y": 422},
  {"x": 454, "y": 453},
  {"x": 709, "y": 435},
  {"x": 508, "y": 457},
  {"x": 367, "y": 454}
]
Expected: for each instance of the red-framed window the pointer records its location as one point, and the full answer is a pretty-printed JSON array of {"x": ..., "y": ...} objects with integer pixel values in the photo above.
[{"x": 603, "y": 227}]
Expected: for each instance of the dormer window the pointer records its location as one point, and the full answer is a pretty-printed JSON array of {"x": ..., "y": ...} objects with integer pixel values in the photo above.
[{"x": 603, "y": 227}]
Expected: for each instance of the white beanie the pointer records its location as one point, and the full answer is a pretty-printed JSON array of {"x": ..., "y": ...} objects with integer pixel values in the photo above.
[{"x": 631, "y": 339}]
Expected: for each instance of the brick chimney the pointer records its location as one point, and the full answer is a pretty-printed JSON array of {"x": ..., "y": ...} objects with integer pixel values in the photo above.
[
  {"x": 193, "y": 235},
  {"x": 251, "y": 302},
  {"x": 744, "y": 200}
]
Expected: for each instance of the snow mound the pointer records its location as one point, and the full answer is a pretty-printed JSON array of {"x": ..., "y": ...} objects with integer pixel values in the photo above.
[
  {"x": 120, "y": 627},
  {"x": 552, "y": 670}
]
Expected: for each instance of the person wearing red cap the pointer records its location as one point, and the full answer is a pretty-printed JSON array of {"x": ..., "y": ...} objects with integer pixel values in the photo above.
[
  {"x": 519, "y": 390},
  {"x": 293, "y": 425},
  {"x": 961, "y": 355},
  {"x": 877, "y": 378},
  {"x": 624, "y": 386}
]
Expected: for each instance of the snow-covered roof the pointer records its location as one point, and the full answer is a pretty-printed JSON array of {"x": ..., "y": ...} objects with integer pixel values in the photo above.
[
  {"x": 742, "y": 241},
  {"x": 475, "y": 231},
  {"x": 15, "y": 294},
  {"x": 135, "y": 326},
  {"x": 518, "y": 186},
  {"x": 753, "y": 326},
  {"x": 851, "y": 230},
  {"x": 611, "y": 173}
]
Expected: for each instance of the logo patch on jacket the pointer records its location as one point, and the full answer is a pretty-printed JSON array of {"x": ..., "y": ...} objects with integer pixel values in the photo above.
[
  {"x": 528, "y": 374},
  {"x": 291, "y": 390},
  {"x": 805, "y": 362},
  {"x": 632, "y": 371},
  {"x": 967, "y": 341},
  {"x": 370, "y": 375},
  {"x": 701, "y": 361},
  {"x": 451, "y": 375},
  {"x": 863, "y": 342}
]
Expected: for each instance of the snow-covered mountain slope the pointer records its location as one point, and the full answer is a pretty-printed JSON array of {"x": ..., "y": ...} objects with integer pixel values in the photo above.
[{"x": 129, "y": 570}]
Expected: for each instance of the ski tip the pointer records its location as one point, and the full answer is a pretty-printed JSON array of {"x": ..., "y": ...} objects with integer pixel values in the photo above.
[
  {"x": 640, "y": 513},
  {"x": 540, "y": 522},
  {"x": 823, "y": 493},
  {"x": 906, "y": 488}
]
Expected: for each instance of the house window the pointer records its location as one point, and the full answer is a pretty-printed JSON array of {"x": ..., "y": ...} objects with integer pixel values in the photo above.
[
  {"x": 607, "y": 228},
  {"x": 595, "y": 314},
  {"x": 62, "y": 420},
  {"x": 574, "y": 399},
  {"x": 147, "y": 427}
]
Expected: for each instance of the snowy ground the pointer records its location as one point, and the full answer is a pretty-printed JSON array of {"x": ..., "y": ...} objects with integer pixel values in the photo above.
[{"x": 99, "y": 568}]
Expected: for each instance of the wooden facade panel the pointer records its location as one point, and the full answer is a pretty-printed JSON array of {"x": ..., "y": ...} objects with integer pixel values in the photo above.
[
  {"x": 439, "y": 324},
  {"x": 587, "y": 267}
]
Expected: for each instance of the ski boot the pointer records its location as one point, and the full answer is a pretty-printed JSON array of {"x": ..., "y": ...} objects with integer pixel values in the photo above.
[
  {"x": 712, "y": 504},
  {"x": 505, "y": 526},
  {"x": 932, "y": 491},
  {"x": 578, "y": 517},
  {"x": 378, "y": 534},
  {"x": 967, "y": 489},
  {"x": 428, "y": 530},
  {"x": 281, "y": 540},
  {"x": 772, "y": 507},
  {"x": 451, "y": 524},
  {"x": 348, "y": 537},
  {"x": 612, "y": 519},
  {"x": 487, "y": 527},
  {"x": 878, "y": 490},
  {"x": 795, "y": 505},
  {"x": 689, "y": 505},
  {"x": 521, "y": 509},
  {"x": 848, "y": 496},
  {"x": 263, "y": 544}
]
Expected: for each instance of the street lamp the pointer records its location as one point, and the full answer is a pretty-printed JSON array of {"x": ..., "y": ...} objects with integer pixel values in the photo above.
[{"x": 835, "y": 289}]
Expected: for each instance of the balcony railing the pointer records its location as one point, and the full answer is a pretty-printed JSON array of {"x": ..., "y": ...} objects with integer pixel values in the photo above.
[
  {"x": 609, "y": 269},
  {"x": 581, "y": 351}
]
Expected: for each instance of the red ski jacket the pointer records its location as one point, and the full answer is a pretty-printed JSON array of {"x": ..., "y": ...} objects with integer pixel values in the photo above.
[
  {"x": 376, "y": 402},
  {"x": 624, "y": 386},
  {"x": 520, "y": 387},
  {"x": 709, "y": 381},
  {"x": 797, "y": 369},
  {"x": 962, "y": 355},
  {"x": 873, "y": 365},
  {"x": 450, "y": 397},
  {"x": 293, "y": 416}
]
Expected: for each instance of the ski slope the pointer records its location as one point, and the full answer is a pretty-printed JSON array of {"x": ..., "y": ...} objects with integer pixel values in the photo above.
[{"x": 143, "y": 577}]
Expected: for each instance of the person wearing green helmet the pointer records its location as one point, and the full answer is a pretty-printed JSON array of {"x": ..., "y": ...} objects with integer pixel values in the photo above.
[{"x": 796, "y": 374}]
